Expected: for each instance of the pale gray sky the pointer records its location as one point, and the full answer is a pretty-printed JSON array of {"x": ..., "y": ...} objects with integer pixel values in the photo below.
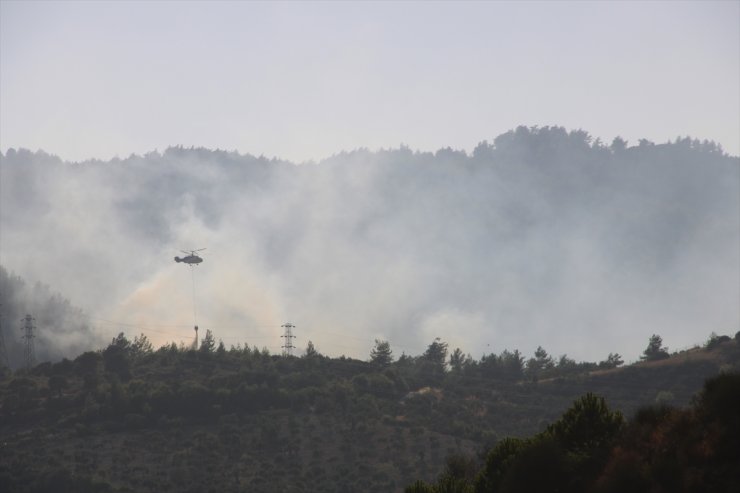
[{"x": 305, "y": 80}]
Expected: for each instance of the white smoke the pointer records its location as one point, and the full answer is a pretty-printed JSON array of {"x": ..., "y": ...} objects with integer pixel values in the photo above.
[{"x": 539, "y": 239}]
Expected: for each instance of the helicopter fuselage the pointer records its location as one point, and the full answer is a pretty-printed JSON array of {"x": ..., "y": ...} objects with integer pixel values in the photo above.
[{"x": 190, "y": 259}]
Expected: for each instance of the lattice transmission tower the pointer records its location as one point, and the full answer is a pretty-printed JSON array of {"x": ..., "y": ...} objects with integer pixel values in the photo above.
[
  {"x": 288, "y": 336},
  {"x": 29, "y": 353}
]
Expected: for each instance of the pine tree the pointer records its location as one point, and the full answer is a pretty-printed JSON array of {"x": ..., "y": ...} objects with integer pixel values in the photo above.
[
  {"x": 655, "y": 350},
  {"x": 208, "y": 344},
  {"x": 381, "y": 354}
]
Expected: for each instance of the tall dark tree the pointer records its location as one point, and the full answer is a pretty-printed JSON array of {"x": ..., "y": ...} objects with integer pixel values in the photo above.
[
  {"x": 436, "y": 354},
  {"x": 208, "y": 344},
  {"x": 541, "y": 362},
  {"x": 655, "y": 349},
  {"x": 618, "y": 144},
  {"x": 311, "y": 350},
  {"x": 613, "y": 360},
  {"x": 117, "y": 357},
  {"x": 381, "y": 354},
  {"x": 141, "y": 347},
  {"x": 588, "y": 425},
  {"x": 221, "y": 349},
  {"x": 458, "y": 360},
  {"x": 511, "y": 364}
]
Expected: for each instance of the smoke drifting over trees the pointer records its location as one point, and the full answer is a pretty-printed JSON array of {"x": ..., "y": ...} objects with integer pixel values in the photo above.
[
  {"x": 61, "y": 329},
  {"x": 541, "y": 237}
]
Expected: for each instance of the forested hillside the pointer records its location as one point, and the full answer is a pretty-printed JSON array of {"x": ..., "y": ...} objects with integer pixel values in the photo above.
[
  {"x": 539, "y": 236},
  {"x": 580, "y": 254},
  {"x": 132, "y": 418},
  {"x": 369, "y": 246}
]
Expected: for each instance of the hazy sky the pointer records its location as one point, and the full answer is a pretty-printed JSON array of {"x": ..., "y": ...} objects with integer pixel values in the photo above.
[{"x": 305, "y": 80}]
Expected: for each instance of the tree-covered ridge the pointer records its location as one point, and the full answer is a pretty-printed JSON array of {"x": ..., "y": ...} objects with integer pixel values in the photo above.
[
  {"x": 608, "y": 241},
  {"x": 593, "y": 449},
  {"x": 346, "y": 424}
]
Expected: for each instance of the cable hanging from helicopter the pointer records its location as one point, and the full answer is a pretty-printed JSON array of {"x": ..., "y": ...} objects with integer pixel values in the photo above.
[{"x": 192, "y": 260}]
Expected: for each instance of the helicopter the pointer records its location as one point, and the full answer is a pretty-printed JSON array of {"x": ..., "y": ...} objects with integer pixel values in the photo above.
[{"x": 191, "y": 258}]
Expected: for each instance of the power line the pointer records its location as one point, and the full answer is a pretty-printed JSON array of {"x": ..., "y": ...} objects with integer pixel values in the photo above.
[
  {"x": 149, "y": 325},
  {"x": 148, "y": 329}
]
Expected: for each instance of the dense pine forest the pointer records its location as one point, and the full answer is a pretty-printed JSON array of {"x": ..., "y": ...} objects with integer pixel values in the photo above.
[{"x": 130, "y": 417}]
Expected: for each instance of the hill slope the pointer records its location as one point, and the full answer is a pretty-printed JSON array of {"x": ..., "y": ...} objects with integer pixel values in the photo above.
[{"x": 132, "y": 419}]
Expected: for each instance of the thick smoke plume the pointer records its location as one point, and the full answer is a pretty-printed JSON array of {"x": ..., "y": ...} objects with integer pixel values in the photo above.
[{"x": 541, "y": 237}]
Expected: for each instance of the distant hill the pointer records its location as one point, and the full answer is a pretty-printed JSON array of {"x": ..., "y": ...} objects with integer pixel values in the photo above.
[
  {"x": 540, "y": 235},
  {"x": 131, "y": 418}
]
